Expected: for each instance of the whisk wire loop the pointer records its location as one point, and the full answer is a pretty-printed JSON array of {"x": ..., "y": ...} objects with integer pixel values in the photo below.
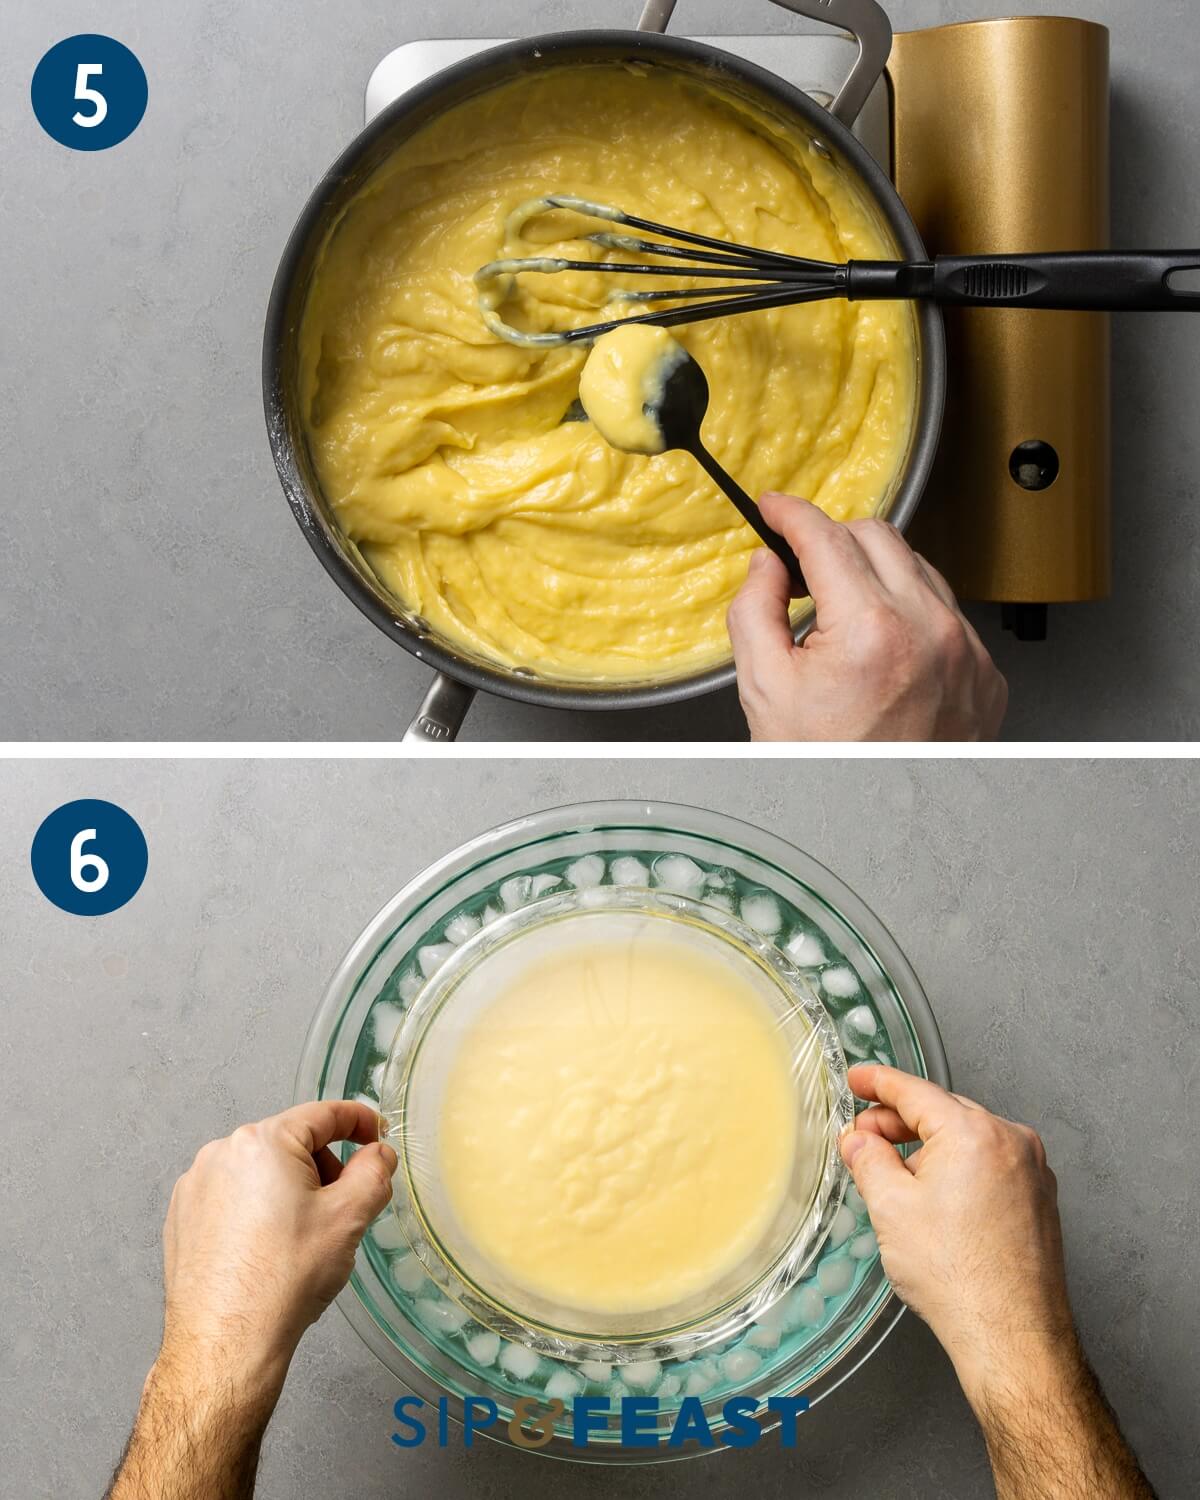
[{"x": 772, "y": 278}]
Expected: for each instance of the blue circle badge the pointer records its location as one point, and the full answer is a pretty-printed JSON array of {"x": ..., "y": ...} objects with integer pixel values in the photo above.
[
  {"x": 89, "y": 857},
  {"x": 89, "y": 92}
]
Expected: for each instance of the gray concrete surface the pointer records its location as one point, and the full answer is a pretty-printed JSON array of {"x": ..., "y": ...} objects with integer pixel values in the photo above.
[
  {"x": 155, "y": 586},
  {"x": 1049, "y": 908}
]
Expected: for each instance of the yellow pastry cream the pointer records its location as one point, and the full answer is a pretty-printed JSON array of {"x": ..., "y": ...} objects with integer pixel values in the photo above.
[
  {"x": 623, "y": 382},
  {"x": 619, "y": 1124},
  {"x": 458, "y": 462}
]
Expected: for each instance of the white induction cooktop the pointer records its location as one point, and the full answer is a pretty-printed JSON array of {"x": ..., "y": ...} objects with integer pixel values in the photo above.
[{"x": 817, "y": 64}]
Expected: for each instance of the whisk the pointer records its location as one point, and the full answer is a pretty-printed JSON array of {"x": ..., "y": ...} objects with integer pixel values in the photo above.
[{"x": 753, "y": 279}]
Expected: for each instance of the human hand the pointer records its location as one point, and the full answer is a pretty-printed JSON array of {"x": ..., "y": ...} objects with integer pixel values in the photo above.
[
  {"x": 891, "y": 656},
  {"x": 968, "y": 1226},
  {"x": 260, "y": 1237}
]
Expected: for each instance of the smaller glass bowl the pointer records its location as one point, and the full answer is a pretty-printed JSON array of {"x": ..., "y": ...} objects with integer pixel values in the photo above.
[{"x": 423, "y": 1050}]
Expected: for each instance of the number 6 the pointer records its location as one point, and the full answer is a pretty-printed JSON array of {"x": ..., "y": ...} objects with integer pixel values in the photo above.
[
  {"x": 92, "y": 96},
  {"x": 81, "y": 862}
]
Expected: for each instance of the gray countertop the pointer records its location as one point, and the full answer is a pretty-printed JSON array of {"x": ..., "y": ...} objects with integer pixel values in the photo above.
[
  {"x": 1049, "y": 908},
  {"x": 155, "y": 585}
]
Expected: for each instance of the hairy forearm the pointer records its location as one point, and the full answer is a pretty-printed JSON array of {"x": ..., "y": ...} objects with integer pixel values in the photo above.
[
  {"x": 1051, "y": 1435},
  {"x": 197, "y": 1436}
]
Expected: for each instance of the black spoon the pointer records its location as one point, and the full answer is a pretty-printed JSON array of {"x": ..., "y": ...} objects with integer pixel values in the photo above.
[{"x": 679, "y": 412}]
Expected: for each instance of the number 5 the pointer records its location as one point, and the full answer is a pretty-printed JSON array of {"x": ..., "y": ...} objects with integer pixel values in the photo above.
[
  {"x": 81, "y": 862},
  {"x": 93, "y": 97}
]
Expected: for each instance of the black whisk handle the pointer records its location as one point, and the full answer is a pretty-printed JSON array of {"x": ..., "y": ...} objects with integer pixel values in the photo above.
[
  {"x": 1083, "y": 281},
  {"x": 1091, "y": 281}
]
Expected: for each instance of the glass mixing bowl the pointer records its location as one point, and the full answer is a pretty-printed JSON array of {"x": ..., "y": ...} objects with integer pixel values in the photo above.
[
  {"x": 567, "y": 922},
  {"x": 808, "y": 1340}
]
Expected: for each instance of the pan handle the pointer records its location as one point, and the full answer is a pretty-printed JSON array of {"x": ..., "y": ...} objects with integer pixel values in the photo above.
[
  {"x": 866, "y": 21},
  {"x": 441, "y": 713}
]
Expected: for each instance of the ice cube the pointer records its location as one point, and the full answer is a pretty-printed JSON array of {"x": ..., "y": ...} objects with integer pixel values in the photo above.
[
  {"x": 855, "y": 1200},
  {"x": 387, "y": 1233},
  {"x": 516, "y": 892},
  {"x": 564, "y": 1386},
  {"x": 484, "y": 1346},
  {"x": 671, "y": 1386},
  {"x": 702, "y": 1378},
  {"x": 863, "y": 1246},
  {"x": 719, "y": 880},
  {"x": 678, "y": 873},
  {"x": 519, "y": 1361},
  {"x": 461, "y": 927},
  {"x": 409, "y": 1274},
  {"x": 767, "y": 1332},
  {"x": 740, "y": 1365},
  {"x": 834, "y": 1276},
  {"x": 641, "y": 1375},
  {"x": 804, "y": 949},
  {"x": 432, "y": 957},
  {"x": 720, "y": 899},
  {"x": 842, "y": 1228},
  {"x": 376, "y": 1076},
  {"x": 629, "y": 871},
  {"x": 804, "y": 1308},
  {"x": 489, "y": 914},
  {"x": 595, "y": 1371},
  {"x": 410, "y": 986},
  {"x": 543, "y": 883},
  {"x": 385, "y": 1023},
  {"x": 440, "y": 1315},
  {"x": 762, "y": 912},
  {"x": 860, "y": 1023},
  {"x": 840, "y": 983},
  {"x": 586, "y": 872}
]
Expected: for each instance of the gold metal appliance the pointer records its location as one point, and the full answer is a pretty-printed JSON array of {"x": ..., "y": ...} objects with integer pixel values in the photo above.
[{"x": 1000, "y": 135}]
